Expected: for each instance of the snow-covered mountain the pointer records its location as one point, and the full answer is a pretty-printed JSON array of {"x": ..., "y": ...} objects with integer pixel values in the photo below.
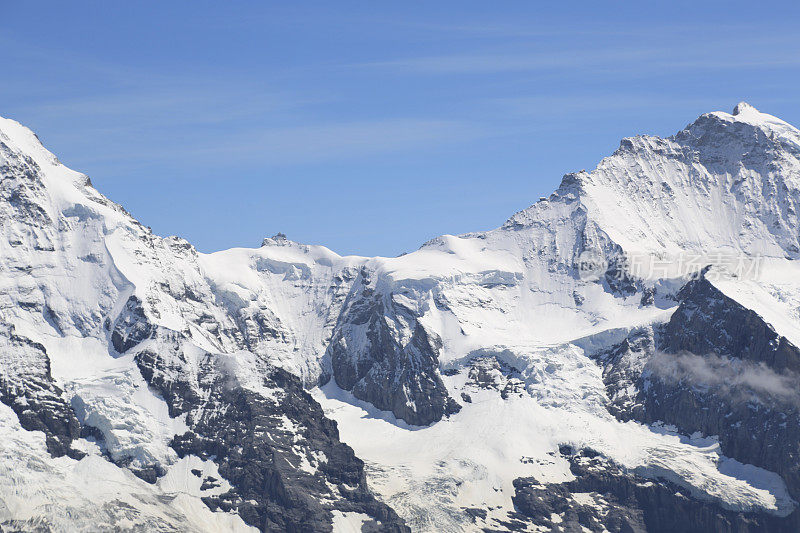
[{"x": 621, "y": 356}]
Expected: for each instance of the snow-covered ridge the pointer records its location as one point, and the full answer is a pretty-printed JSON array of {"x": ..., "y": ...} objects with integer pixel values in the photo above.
[
  {"x": 129, "y": 337},
  {"x": 97, "y": 290},
  {"x": 725, "y": 182}
]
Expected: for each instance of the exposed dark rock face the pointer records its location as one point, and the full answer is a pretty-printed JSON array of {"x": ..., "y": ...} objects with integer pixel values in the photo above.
[
  {"x": 164, "y": 369},
  {"x": 605, "y": 497},
  {"x": 752, "y": 428},
  {"x": 618, "y": 279},
  {"x": 261, "y": 458},
  {"x": 370, "y": 359},
  {"x": 623, "y": 365},
  {"x": 18, "y": 178},
  {"x": 708, "y": 321},
  {"x": 32, "y": 525},
  {"x": 131, "y": 327},
  {"x": 27, "y": 386},
  {"x": 283, "y": 458},
  {"x": 693, "y": 373},
  {"x": 281, "y": 455}
]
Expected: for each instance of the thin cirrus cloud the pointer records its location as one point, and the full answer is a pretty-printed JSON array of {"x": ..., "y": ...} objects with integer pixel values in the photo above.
[
  {"x": 338, "y": 140},
  {"x": 138, "y": 118},
  {"x": 147, "y": 96},
  {"x": 266, "y": 128},
  {"x": 310, "y": 143},
  {"x": 232, "y": 121},
  {"x": 486, "y": 63},
  {"x": 175, "y": 105},
  {"x": 538, "y": 105},
  {"x": 614, "y": 61},
  {"x": 643, "y": 54}
]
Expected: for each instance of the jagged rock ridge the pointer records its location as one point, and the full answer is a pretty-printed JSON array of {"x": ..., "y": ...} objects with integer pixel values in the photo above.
[{"x": 572, "y": 351}]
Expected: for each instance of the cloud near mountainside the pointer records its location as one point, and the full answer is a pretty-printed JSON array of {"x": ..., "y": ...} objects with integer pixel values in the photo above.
[{"x": 741, "y": 381}]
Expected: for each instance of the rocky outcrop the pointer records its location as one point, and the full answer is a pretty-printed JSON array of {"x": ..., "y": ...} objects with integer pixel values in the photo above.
[
  {"x": 27, "y": 386},
  {"x": 756, "y": 422},
  {"x": 383, "y": 355},
  {"x": 131, "y": 326},
  {"x": 606, "y": 497},
  {"x": 623, "y": 365},
  {"x": 752, "y": 427},
  {"x": 270, "y": 439},
  {"x": 708, "y": 321},
  {"x": 716, "y": 368},
  {"x": 282, "y": 457},
  {"x": 245, "y": 326}
]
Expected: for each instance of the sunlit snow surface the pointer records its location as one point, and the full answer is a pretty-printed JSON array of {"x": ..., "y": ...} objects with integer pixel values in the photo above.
[
  {"x": 511, "y": 293},
  {"x": 92, "y": 494},
  {"x": 470, "y": 460}
]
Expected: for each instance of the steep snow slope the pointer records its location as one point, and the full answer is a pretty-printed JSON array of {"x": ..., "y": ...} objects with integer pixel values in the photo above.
[
  {"x": 59, "y": 285},
  {"x": 459, "y": 372},
  {"x": 286, "y": 297},
  {"x": 725, "y": 183},
  {"x": 117, "y": 346},
  {"x": 723, "y": 191}
]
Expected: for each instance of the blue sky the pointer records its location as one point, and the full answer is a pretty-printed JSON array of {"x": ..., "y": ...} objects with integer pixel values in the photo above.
[{"x": 371, "y": 127}]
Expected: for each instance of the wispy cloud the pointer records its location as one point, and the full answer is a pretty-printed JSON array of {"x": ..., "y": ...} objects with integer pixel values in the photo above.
[
  {"x": 165, "y": 115},
  {"x": 604, "y": 60},
  {"x": 736, "y": 379},
  {"x": 644, "y": 54},
  {"x": 173, "y": 103},
  {"x": 147, "y": 117},
  {"x": 506, "y": 31},
  {"x": 311, "y": 143},
  {"x": 486, "y": 63},
  {"x": 550, "y": 105}
]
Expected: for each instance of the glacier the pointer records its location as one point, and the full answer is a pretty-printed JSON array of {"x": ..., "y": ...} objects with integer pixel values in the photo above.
[{"x": 147, "y": 386}]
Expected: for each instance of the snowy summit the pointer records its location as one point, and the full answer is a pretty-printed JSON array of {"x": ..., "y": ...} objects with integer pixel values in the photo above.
[{"x": 622, "y": 355}]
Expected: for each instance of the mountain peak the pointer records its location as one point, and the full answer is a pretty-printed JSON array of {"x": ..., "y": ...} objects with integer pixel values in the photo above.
[
  {"x": 561, "y": 320},
  {"x": 22, "y": 140},
  {"x": 279, "y": 239},
  {"x": 745, "y": 113},
  {"x": 743, "y": 108}
]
